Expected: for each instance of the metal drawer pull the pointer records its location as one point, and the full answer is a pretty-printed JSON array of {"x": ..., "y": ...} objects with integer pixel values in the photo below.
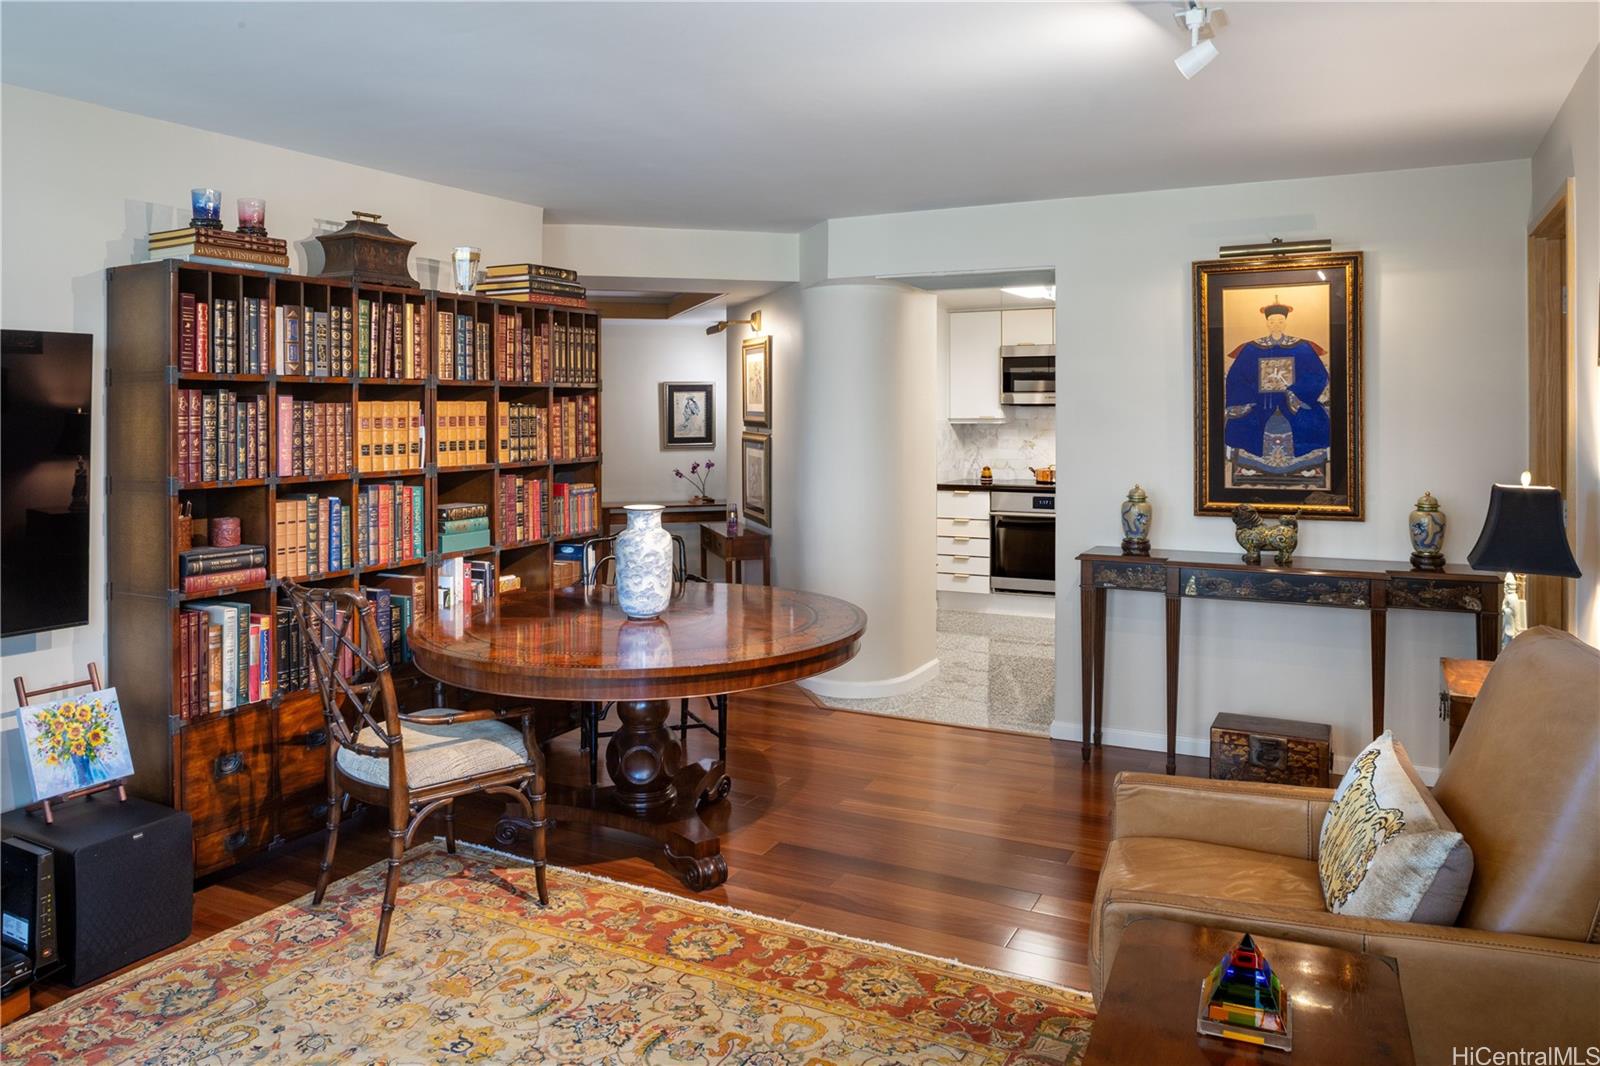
[
  {"x": 317, "y": 738},
  {"x": 227, "y": 765},
  {"x": 959, "y": 492},
  {"x": 236, "y": 840},
  {"x": 960, "y": 540},
  {"x": 319, "y": 810},
  {"x": 962, "y": 558}
]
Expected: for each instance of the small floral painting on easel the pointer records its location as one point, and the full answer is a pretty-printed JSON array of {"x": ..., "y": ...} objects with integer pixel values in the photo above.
[{"x": 75, "y": 743}]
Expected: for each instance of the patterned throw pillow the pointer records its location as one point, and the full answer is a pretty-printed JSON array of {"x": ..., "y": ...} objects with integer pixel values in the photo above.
[{"x": 1388, "y": 850}]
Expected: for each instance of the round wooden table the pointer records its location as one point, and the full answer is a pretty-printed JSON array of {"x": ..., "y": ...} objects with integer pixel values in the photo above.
[{"x": 713, "y": 640}]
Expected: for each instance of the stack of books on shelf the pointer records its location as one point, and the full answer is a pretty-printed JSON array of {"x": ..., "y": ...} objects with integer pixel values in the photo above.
[
  {"x": 219, "y": 247},
  {"x": 224, "y": 658},
  {"x": 522, "y": 433},
  {"x": 204, "y": 570},
  {"x": 389, "y": 526},
  {"x": 463, "y": 527},
  {"x": 523, "y": 503},
  {"x": 312, "y": 343},
  {"x": 573, "y": 510},
  {"x": 575, "y": 354},
  {"x": 462, "y": 348},
  {"x": 572, "y": 427},
  {"x": 222, "y": 436},
  {"x": 293, "y": 647},
  {"x": 223, "y": 336},
  {"x": 518, "y": 359},
  {"x": 312, "y": 536},
  {"x": 460, "y": 584},
  {"x": 533, "y": 283},
  {"x": 406, "y": 595},
  {"x": 388, "y": 435},
  {"x": 461, "y": 432},
  {"x": 313, "y": 438},
  {"x": 391, "y": 340}
]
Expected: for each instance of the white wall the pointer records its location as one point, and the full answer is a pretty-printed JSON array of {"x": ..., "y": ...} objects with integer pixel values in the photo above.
[
  {"x": 653, "y": 252},
  {"x": 1446, "y": 412},
  {"x": 1571, "y": 149},
  {"x": 639, "y": 355},
  {"x": 82, "y": 185}
]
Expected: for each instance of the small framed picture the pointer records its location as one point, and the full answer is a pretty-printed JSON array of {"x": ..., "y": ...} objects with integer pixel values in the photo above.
[
  {"x": 688, "y": 414},
  {"x": 756, "y": 362},
  {"x": 75, "y": 743},
  {"x": 756, "y": 451}
]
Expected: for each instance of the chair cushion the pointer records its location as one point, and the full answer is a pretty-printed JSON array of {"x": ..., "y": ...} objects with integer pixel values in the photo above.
[
  {"x": 1388, "y": 850},
  {"x": 436, "y": 754}
]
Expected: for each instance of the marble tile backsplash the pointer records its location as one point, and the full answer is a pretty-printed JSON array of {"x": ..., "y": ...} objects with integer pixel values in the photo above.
[{"x": 1026, "y": 438}]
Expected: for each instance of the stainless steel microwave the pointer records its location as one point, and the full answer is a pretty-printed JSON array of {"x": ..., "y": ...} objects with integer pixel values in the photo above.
[{"x": 1028, "y": 374}]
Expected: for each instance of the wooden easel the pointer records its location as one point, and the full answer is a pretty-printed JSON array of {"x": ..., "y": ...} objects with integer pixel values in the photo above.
[{"x": 25, "y": 697}]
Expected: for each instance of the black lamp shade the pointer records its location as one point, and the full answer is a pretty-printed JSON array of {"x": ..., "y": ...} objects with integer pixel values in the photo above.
[{"x": 1525, "y": 532}]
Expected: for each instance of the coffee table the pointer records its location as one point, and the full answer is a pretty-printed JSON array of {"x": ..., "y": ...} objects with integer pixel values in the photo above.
[{"x": 1347, "y": 1007}]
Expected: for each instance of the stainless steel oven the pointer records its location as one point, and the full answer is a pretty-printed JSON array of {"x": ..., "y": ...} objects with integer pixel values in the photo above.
[
  {"x": 1022, "y": 545},
  {"x": 1028, "y": 374}
]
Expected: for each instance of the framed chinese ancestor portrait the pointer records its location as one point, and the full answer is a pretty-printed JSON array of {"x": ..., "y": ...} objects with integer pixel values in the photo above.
[{"x": 1277, "y": 385}]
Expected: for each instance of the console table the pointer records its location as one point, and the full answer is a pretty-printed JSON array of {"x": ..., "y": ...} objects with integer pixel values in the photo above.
[
  {"x": 673, "y": 512},
  {"x": 1355, "y": 584}
]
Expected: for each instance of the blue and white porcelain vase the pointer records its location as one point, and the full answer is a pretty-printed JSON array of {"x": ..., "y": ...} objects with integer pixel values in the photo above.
[
  {"x": 644, "y": 563},
  {"x": 1427, "y": 534},
  {"x": 1136, "y": 514}
]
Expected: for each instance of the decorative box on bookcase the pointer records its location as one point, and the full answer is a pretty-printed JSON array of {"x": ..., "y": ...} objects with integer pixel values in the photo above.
[{"x": 308, "y": 354}]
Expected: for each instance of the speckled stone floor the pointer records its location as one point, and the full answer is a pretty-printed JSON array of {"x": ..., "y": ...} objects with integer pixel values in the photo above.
[{"x": 995, "y": 671}]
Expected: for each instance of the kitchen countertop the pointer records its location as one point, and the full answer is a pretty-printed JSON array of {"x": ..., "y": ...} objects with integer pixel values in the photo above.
[{"x": 997, "y": 483}]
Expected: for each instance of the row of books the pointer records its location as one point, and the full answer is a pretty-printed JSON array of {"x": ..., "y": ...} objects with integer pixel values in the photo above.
[
  {"x": 463, "y": 527},
  {"x": 220, "y": 247},
  {"x": 389, "y": 523},
  {"x": 388, "y": 435},
  {"x": 391, "y": 340},
  {"x": 224, "y": 658},
  {"x": 311, "y": 536},
  {"x": 574, "y": 429},
  {"x": 222, "y": 436},
  {"x": 314, "y": 343},
  {"x": 460, "y": 584},
  {"x": 523, "y": 502},
  {"x": 313, "y": 438},
  {"x": 575, "y": 354},
  {"x": 392, "y": 613},
  {"x": 212, "y": 569},
  {"x": 461, "y": 432},
  {"x": 574, "y": 509},
  {"x": 209, "y": 335},
  {"x": 462, "y": 351},
  {"x": 524, "y": 433},
  {"x": 522, "y": 356}
]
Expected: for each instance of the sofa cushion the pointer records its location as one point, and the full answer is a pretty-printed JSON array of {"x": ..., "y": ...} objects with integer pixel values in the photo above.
[
  {"x": 1387, "y": 850},
  {"x": 439, "y": 753}
]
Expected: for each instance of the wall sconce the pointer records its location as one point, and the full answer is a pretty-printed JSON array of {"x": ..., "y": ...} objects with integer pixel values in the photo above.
[
  {"x": 754, "y": 322},
  {"x": 1276, "y": 246}
]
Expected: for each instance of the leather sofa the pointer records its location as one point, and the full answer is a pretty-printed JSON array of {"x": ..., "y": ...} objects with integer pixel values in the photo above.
[{"x": 1521, "y": 966}]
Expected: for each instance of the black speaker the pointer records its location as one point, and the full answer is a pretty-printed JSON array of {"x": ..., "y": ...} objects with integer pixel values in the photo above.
[{"x": 124, "y": 879}]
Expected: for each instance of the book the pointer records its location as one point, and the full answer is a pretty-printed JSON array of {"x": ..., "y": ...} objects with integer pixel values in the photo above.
[
  {"x": 532, "y": 285},
  {"x": 224, "y": 579},
  {"x": 231, "y": 259},
  {"x": 500, "y": 270},
  {"x": 211, "y": 560}
]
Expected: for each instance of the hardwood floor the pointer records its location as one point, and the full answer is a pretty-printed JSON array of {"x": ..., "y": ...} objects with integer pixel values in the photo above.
[{"x": 963, "y": 843}]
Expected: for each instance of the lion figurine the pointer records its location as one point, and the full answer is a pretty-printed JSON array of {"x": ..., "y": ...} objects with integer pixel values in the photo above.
[{"x": 1255, "y": 536}]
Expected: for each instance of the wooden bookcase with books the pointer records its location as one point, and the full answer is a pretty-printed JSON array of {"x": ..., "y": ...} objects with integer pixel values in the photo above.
[{"x": 335, "y": 421}]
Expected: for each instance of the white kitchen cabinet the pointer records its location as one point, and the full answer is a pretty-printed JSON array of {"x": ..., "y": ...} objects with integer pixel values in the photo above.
[
  {"x": 962, "y": 562},
  {"x": 975, "y": 366},
  {"x": 1028, "y": 325}
]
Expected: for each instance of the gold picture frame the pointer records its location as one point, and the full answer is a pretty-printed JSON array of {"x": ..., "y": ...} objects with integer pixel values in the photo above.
[
  {"x": 755, "y": 455},
  {"x": 755, "y": 375},
  {"x": 1278, "y": 385}
]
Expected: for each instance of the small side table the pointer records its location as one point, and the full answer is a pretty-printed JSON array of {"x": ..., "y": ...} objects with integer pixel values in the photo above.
[
  {"x": 735, "y": 550},
  {"x": 1462, "y": 678}
]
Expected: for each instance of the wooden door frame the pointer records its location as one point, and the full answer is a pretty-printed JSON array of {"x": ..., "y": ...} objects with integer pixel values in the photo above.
[{"x": 1555, "y": 223}]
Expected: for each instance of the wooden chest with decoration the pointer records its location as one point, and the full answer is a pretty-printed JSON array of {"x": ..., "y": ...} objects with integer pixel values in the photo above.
[{"x": 1247, "y": 747}]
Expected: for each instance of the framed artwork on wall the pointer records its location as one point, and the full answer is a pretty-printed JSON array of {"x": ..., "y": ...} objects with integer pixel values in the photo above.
[
  {"x": 1277, "y": 385},
  {"x": 688, "y": 414},
  {"x": 756, "y": 453},
  {"x": 756, "y": 374},
  {"x": 75, "y": 743}
]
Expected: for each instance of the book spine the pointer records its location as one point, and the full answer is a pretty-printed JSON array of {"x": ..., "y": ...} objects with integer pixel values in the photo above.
[
  {"x": 242, "y": 558},
  {"x": 202, "y": 338},
  {"x": 187, "y": 315},
  {"x": 227, "y": 579}
]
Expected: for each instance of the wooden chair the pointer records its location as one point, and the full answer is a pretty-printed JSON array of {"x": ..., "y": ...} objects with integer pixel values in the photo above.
[
  {"x": 412, "y": 765},
  {"x": 598, "y": 552}
]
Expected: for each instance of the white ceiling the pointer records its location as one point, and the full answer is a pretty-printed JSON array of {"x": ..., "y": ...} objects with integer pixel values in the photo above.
[{"x": 775, "y": 116}]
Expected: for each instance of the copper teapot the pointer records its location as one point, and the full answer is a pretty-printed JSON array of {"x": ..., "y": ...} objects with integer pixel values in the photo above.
[{"x": 1044, "y": 475}]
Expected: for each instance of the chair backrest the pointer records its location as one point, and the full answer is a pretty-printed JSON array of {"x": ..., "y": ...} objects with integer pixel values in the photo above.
[
  {"x": 26, "y": 695},
  {"x": 351, "y": 671},
  {"x": 1523, "y": 786},
  {"x": 599, "y": 551}
]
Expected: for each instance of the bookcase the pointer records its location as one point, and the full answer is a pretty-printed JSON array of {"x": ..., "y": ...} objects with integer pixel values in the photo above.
[{"x": 485, "y": 373}]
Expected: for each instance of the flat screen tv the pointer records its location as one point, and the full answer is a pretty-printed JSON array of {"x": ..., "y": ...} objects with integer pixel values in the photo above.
[{"x": 46, "y": 382}]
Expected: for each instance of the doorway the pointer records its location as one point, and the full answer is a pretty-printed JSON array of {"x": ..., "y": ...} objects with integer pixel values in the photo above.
[{"x": 1552, "y": 265}]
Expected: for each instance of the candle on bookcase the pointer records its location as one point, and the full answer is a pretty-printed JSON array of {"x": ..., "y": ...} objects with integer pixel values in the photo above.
[{"x": 224, "y": 532}]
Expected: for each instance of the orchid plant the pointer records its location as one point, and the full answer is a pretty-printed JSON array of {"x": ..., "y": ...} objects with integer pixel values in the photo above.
[{"x": 696, "y": 476}]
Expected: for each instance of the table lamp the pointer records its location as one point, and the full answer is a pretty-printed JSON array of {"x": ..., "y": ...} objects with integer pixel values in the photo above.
[{"x": 1525, "y": 532}]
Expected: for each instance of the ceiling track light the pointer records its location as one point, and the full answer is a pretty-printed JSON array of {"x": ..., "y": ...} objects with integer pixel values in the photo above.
[
  {"x": 1196, "y": 18},
  {"x": 754, "y": 322}
]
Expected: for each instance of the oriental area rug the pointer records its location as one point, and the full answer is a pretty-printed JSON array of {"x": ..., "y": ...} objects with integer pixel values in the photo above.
[{"x": 478, "y": 972}]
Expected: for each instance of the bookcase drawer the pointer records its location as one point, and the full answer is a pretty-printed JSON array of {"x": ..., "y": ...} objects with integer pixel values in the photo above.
[
  {"x": 303, "y": 813},
  {"x": 977, "y": 528},
  {"x": 963, "y": 503},
  {"x": 230, "y": 843},
  {"x": 963, "y": 583},
  {"x": 302, "y": 745},
  {"x": 227, "y": 769},
  {"x": 963, "y": 564},
  {"x": 964, "y": 546}
]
